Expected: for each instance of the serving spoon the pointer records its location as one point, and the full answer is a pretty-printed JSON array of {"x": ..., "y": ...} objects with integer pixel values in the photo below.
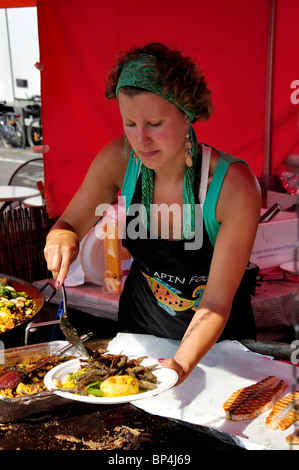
[
  {"x": 11, "y": 378},
  {"x": 69, "y": 331}
]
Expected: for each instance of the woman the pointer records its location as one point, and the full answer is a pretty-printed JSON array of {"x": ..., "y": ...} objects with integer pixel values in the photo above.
[{"x": 187, "y": 282}]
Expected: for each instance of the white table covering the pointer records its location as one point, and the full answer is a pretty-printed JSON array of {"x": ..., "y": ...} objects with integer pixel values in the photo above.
[
  {"x": 33, "y": 201},
  {"x": 272, "y": 305},
  {"x": 198, "y": 400},
  {"x": 16, "y": 193}
]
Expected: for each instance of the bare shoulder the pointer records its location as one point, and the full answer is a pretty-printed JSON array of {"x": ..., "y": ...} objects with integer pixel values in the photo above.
[
  {"x": 240, "y": 178},
  {"x": 240, "y": 192},
  {"x": 111, "y": 161}
]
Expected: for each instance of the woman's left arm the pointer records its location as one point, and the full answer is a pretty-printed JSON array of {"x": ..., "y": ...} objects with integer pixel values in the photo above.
[{"x": 238, "y": 212}]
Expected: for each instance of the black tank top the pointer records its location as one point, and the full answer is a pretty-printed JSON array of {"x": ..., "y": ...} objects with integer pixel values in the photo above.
[{"x": 165, "y": 285}]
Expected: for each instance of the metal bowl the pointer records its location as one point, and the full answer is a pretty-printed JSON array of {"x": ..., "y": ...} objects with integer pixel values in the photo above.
[{"x": 15, "y": 336}]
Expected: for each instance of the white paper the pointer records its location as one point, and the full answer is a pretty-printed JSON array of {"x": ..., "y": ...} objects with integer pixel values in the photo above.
[{"x": 199, "y": 399}]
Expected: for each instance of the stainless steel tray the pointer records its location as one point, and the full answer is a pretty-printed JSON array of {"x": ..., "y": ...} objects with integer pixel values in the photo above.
[{"x": 13, "y": 409}]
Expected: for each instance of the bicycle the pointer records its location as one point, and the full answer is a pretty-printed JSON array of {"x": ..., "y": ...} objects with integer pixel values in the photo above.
[
  {"x": 34, "y": 126},
  {"x": 11, "y": 131}
]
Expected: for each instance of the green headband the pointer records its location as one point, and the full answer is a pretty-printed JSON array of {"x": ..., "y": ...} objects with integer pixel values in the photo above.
[{"x": 141, "y": 73}]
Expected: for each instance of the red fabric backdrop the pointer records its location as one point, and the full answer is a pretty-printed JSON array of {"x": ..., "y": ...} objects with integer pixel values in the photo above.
[{"x": 80, "y": 40}]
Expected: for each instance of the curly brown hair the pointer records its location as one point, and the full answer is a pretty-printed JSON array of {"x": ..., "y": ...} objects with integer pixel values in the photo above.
[{"x": 177, "y": 74}]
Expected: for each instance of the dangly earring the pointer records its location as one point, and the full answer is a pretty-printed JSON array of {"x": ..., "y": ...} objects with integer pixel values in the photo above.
[
  {"x": 135, "y": 156},
  {"x": 188, "y": 154},
  {"x": 125, "y": 146}
]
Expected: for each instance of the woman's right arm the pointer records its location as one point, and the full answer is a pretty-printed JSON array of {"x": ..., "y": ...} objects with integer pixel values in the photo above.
[{"x": 103, "y": 180}]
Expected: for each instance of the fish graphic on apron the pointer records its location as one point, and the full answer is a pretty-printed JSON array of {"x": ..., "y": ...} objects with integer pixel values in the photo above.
[{"x": 170, "y": 298}]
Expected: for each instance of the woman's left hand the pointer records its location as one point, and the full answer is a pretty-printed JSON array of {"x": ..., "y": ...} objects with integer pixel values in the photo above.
[{"x": 170, "y": 363}]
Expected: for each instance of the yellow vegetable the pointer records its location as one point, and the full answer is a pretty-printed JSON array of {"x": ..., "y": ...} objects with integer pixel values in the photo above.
[
  {"x": 120, "y": 385},
  {"x": 69, "y": 383},
  {"x": 6, "y": 392},
  {"x": 23, "y": 389}
]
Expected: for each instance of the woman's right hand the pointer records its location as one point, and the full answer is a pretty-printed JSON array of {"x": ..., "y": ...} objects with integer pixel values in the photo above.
[{"x": 61, "y": 250}]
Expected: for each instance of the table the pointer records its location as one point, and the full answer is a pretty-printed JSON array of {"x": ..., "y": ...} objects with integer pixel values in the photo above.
[
  {"x": 55, "y": 423},
  {"x": 16, "y": 193},
  {"x": 272, "y": 308},
  {"x": 70, "y": 425},
  {"x": 119, "y": 428},
  {"x": 88, "y": 297},
  {"x": 272, "y": 305},
  {"x": 33, "y": 201},
  {"x": 110, "y": 428}
]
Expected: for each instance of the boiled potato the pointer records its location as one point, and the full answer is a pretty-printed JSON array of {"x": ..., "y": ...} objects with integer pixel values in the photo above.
[{"x": 119, "y": 386}]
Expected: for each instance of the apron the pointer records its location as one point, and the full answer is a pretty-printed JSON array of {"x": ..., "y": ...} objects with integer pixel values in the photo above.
[{"x": 166, "y": 282}]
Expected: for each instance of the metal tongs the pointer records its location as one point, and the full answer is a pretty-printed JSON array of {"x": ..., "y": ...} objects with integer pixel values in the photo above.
[
  {"x": 68, "y": 330},
  {"x": 270, "y": 213}
]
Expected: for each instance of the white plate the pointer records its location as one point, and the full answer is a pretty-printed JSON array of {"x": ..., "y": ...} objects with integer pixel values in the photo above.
[
  {"x": 166, "y": 379},
  {"x": 289, "y": 267},
  {"x": 92, "y": 258}
]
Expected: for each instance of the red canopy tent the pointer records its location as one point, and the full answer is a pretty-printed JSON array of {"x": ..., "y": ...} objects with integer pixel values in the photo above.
[
  {"x": 17, "y": 3},
  {"x": 248, "y": 50}
]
